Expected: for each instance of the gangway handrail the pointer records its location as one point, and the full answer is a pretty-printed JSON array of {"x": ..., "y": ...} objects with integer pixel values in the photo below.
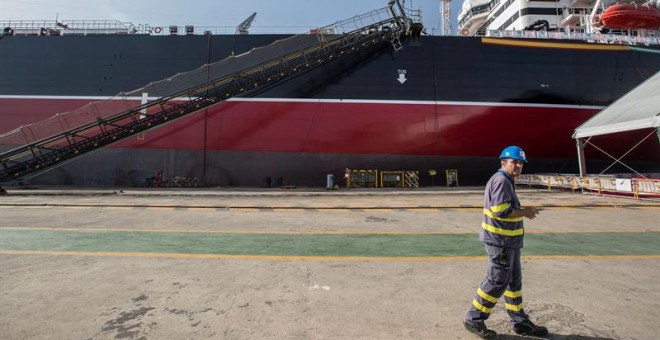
[{"x": 39, "y": 156}]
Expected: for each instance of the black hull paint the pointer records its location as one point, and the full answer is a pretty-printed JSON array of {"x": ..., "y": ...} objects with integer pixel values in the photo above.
[{"x": 441, "y": 69}]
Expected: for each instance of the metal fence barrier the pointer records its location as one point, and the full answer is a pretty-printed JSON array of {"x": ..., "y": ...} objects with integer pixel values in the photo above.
[
  {"x": 381, "y": 179},
  {"x": 636, "y": 187}
]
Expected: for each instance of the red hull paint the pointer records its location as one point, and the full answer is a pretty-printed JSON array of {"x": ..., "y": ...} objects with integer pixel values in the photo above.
[{"x": 358, "y": 127}]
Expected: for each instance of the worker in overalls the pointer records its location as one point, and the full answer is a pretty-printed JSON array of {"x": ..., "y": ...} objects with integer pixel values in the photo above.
[{"x": 502, "y": 234}]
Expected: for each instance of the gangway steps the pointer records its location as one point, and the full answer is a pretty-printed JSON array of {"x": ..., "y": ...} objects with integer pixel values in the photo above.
[{"x": 40, "y": 156}]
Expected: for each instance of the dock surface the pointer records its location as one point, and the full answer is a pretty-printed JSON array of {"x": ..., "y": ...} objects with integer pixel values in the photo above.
[{"x": 313, "y": 264}]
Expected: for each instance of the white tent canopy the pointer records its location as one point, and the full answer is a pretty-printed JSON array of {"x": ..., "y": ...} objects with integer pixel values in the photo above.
[{"x": 638, "y": 109}]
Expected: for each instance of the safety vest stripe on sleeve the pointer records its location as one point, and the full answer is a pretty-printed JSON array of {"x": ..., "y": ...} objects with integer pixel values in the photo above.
[
  {"x": 486, "y": 296},
  {"x": 503, "y": 219},
  {"x": 513, "y": 295},
  {"x": 516, "y": 308},
  {"x": 500, "y": 207},
  {"x": 481, "y": 307},
  {"x": 501, "y": 231}
]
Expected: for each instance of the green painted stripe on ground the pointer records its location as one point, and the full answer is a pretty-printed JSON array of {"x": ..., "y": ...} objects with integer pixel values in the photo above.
[
  {"x": 634, "y": 243},
  {"x": 367, "y": 245}
]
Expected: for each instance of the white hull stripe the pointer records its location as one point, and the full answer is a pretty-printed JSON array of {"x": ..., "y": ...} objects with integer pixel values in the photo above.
[{"x": 306, "y": 100}]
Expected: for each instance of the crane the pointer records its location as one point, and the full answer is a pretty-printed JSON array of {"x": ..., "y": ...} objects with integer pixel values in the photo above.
[
  {"x": 243, "y": 27},
  {"x": 445, "y": 16}
]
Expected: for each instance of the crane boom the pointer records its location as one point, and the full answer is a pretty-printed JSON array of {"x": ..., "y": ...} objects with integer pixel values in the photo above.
[{"x": 243, "y": 27}]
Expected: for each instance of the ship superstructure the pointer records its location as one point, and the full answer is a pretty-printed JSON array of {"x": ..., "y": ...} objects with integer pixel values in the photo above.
[{"x": 627, "y": 20}]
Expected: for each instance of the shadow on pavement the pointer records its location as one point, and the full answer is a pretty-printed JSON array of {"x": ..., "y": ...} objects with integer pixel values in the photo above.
[{"x": 551, "y": 337}]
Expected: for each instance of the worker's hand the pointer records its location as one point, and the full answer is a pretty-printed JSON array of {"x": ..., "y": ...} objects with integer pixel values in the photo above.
[{"x": 530, "y": 212}]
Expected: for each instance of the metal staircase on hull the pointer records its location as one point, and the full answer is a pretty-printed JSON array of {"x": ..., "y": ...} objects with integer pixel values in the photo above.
[{"x": 47, "y": 153}]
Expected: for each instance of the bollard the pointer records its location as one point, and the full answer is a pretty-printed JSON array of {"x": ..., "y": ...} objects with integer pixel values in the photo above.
[{"x": 329, "y": 182}]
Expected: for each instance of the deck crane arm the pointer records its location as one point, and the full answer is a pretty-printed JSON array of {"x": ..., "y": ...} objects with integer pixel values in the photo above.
[{"x": 243, "y": 27}]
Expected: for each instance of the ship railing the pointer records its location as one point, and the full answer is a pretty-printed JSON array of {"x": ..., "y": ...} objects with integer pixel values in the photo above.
[
  {"x": 222, "y": 30},
  {"x": 415, "y": 15},
  {"x": 352, "y": 24},
  {"x": 638, "y": 188},
  {"x": 79, "y": 27},
  {"x": 572, "y": 16},
  {"x": 575, "y": 11},
  {"x": 340, "y": 27},
  {"x": 472, "y": 13},
  {"x": 578, "y": 36},
  {"x": 91, "y": 27},
  {"x": 487, "y": 8}
]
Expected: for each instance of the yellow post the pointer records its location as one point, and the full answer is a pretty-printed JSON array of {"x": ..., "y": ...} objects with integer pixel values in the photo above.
[
  {"x": 432, "y": 173},
  {"x": 573, "y": 182}
]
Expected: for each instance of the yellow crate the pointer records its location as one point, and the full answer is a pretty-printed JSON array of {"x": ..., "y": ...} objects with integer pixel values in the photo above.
[
  {"x": 391, "y": 179},
  {"x": 361, "y": 179}
]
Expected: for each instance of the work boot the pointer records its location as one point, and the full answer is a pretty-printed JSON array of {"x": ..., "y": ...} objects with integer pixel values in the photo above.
[
  {"x": 479, "y": 329},
  {"x": 529, "y": 328}
]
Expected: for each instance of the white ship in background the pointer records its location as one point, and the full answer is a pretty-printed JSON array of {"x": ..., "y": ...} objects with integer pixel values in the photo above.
[{"x": 599, "y": 20}]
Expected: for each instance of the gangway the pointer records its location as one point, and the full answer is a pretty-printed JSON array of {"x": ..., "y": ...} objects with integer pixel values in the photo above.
[{"x": 45, "y": 154}]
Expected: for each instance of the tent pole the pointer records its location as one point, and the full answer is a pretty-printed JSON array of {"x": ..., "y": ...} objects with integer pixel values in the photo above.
[{"x": 580, "y": 143}]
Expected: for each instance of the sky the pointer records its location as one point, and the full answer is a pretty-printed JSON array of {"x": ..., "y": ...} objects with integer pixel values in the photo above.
[{"x": 270, "y": 13}]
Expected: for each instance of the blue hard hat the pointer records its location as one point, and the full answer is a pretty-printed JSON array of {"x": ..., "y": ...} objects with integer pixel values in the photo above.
[{"x": 513, "y": 152}]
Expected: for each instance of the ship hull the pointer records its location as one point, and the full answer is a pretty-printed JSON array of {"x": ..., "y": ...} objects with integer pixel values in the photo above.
[{"x": 459, "y": 102}]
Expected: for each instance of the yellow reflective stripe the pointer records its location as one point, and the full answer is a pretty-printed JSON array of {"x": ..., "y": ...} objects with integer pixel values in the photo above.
[
  {"x": 516, "y": 308},
  {"x": 504, "y": 219},
  {"x": 481, "y": 307},
  {"x": 505, "y": 232},
  {"x": 513, "y": 295},
  {"x": 500, "y": 207},
  {"x": 486, "y": 296}
]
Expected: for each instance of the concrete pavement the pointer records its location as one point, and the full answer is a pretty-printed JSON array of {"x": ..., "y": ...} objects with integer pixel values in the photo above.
[{"x": 312, "y": 264}]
